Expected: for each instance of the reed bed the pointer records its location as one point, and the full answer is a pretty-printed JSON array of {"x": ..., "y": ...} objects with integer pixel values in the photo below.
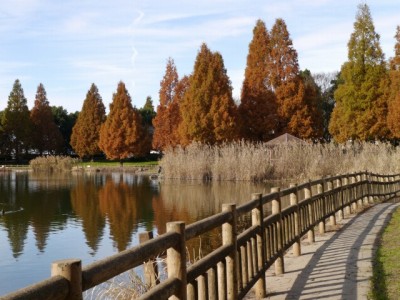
[
  {"x": 52, "y": 163},
  {"x": 247, "y": 161}
]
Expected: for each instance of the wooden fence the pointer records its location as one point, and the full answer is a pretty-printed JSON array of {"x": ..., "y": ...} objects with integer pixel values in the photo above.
[{"x": 240, "y": 263}]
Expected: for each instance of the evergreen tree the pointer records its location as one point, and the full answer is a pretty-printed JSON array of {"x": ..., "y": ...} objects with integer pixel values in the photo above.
[
  {"x": 122, "y": 135},
  {"x": 208, "y": 111},
  {"x": 45, "y": 134},
  {"x": 147, "y": 112},
  {"x": 327, "y": 84},
  {"x": 16, "y": 122},
  {"x": 286, "y": 82},
  {"x": 65, "y": 122},
  {"x": 257, "y": 108},
  {"x": 86, "y": 131},
  {"x": 360, "y": 109},
  {"x": 393, "y": 93}
]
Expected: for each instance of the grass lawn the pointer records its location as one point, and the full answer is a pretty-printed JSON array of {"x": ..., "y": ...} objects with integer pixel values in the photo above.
[{"x": 386, "y": 272}]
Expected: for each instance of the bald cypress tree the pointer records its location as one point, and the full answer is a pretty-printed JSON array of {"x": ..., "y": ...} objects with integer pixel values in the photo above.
[
  {"x": 86, "y": 131},
  {"x": 45, "y": 136},
  {"x": 360, "y": 110},
  {"x": 257, "y": 108},
  {"x": 163, "y": 126},
  {"x": 122, "y": 135},
  {"x": 293, "y": 114},
  {"x": 394, "y": 89},
  {"x": 208, "y": 111}
]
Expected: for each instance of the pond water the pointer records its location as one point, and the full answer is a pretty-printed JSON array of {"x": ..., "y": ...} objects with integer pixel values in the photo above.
[{"x": 93, "y": 215}]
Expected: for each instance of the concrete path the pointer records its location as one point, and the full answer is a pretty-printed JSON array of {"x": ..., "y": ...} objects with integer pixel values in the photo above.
[{"x": 338, "y": 265}]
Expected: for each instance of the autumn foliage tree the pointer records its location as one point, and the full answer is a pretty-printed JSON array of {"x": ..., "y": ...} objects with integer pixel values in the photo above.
[
  {"x": 257, "y": 108},
  {"x": 165, "y": 127},
  {"x": 46, "y": 137},
  {"x": 360, "y": 111},
  {"x": 209, "y": 114},
  {"x": 16, "y": 124},
  {"x": 122, "y": 135},
  {"x": 295, "y": 115},
  {"x": 86, "y": 131},
  {"x": 393, "y": 118}
]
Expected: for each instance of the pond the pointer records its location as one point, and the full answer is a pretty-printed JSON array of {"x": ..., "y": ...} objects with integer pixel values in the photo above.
[{"x": 93, "y": 215}]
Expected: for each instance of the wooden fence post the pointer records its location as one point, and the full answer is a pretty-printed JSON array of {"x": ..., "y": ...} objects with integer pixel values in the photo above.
[
  {"x": 176, "y": 259},
  {"x": 70, "y": 269},
  {"x": 308, "y": 194},
  {"x": 353, "y": 194},
  {"x": 332, "y": 218},
  {"x": 346, "y": 195},
  {"x": 229, "y": 237},
  {"x": 276, "y": 209},
  {"x": 360, "y": 190},
  {"x": 257, "y": 220},
  {"x": 341, "y": 198},
  {"x": 150, "y": 267},
  {"x": 221, "y": 280},
  {"x": 321, "y": 225},
  {"x": 294, "y": 200}
]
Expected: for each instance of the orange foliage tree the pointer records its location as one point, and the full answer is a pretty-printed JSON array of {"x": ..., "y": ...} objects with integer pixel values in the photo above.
[
  {"x": 257, "y": 109},
  {"x": 85, "y": 133},
  {"x": 209, "y": 114},
  {"x": 167, "y": 120},
  {"x": 122, "y": 135},
  {"x": 293, "y": 112},
  {"x": 45, "y": 134},
  {"x": 394, "y": 89}
]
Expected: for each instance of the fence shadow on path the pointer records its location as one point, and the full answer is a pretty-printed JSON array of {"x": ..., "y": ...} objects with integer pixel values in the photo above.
[{"x": 341, "y": 267}]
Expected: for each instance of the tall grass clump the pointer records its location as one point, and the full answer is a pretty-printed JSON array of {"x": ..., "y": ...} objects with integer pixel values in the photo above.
[
  {"x": 53, "y": 163},
  {"x": 260, "y": 161}
]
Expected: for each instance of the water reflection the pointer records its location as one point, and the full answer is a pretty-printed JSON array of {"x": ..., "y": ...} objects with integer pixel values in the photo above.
[{"x": 93, "y": 215}]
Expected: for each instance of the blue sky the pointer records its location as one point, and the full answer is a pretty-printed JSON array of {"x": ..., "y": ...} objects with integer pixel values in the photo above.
[{"x": 67, "y": 45}]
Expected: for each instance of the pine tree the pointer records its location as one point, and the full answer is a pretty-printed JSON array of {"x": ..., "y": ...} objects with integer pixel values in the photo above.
[
  {"x": 86, "y": 131},
  {"x": 394, "y": 89},
  {"x": 360, "y": 110},
  {"x": 46, "y": 137},
  {"x": 208, "y": 111},
  {"x": 16, "y": 122},
  {"x": 257, "y": 108},
  {"x": 122, "y": 134},
  {"x": 286, "y": 82}
]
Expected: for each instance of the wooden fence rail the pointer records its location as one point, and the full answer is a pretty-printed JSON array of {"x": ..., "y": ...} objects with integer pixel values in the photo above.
[{"x": 240, "y": 263}]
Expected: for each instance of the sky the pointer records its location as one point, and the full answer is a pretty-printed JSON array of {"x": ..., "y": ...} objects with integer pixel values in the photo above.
[{"x": 68, "y": 45}]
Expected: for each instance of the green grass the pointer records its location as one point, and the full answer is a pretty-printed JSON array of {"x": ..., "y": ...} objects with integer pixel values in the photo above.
[{"x": 386, "y": 269}]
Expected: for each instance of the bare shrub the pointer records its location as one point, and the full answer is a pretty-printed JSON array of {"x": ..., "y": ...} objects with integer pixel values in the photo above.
[
  {"x": 260, "y": 161},
  {"x": 53, "y": 163}
]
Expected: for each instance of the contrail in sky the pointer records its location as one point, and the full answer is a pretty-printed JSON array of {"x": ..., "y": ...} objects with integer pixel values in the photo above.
[{"x": 134, "y": 50}]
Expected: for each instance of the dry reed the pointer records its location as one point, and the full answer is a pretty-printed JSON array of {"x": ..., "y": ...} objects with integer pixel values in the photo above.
[
  {"x": 53, "y": 163},
  {"x": 258, "y": 161}
]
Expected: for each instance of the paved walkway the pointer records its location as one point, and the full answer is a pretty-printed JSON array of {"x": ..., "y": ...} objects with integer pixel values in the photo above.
[{"x": 338, "y": 265}]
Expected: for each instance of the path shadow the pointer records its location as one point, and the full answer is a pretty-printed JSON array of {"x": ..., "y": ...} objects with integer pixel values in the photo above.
[{"x": 338, "y": 268}]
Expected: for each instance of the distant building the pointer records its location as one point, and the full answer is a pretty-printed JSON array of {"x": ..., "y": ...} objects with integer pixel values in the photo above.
[{"x": 286, "y": 139}]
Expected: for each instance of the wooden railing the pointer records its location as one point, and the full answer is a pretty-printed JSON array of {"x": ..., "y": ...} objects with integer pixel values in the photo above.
[{"x": 240, "y": 263}]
